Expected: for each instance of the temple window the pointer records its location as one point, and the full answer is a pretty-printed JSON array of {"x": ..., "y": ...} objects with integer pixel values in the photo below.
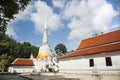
[
  {"x": 108, "y": 61},
  {"x": 91, "y": 62}
]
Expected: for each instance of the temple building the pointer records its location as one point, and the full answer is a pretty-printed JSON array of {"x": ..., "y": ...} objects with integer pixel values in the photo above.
[
  {"x": 96, "y": 54},
  {"x": 21, "y": 65}
]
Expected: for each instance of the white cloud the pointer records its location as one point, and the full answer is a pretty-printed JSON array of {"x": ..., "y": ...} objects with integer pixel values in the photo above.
[
  {"x": 58, "y": 3},
  {"x": 78, "y": 32},
  {"x": 42, "y": 11},
  {"x": 88, "y": 16},
  {"x": 104, "y": 15},
  {"x": 25, "y": 15},
  {"x": 11, "y": 31}
]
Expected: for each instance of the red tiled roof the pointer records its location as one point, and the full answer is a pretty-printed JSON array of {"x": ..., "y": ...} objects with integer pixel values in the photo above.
[
  {"x": 101, "y": 39},
  {"x": 23, "y": 62},
  {"x": 104, "y": 43},
  {"x": 93, "y": 50}
]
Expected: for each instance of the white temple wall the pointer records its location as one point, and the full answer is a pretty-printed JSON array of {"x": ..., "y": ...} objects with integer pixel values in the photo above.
[
  {"x": 20, "y": 69},
  {"x": 81, "y": 64}
]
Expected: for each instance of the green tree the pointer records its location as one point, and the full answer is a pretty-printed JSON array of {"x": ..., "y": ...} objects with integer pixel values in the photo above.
[
  {"x": 26, "y": 49},
  {"x": 34, "y": 50},
  {"x": 60, "y": 49},
  {"x": 10, "y": 47},
  {"x": 4, "y": 59},
  {"x": 8, "y": 8},
  {"x": 6, "y": 45}
]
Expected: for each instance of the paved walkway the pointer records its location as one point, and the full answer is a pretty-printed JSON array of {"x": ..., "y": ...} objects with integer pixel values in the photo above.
[
  {"x": 52, "y": 76},
  {"x": 28, "y": 76},
  {"x": 49, "y": 77},
  {"x": 12, "y": 77},
  {"x": 63, "y": 76}
]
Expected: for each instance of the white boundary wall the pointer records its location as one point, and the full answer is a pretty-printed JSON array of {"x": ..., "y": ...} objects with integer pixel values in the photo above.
[{"x": 80, "y": 64}]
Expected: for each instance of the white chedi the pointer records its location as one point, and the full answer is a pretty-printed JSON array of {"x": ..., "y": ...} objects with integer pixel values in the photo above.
[{"x": 47, "y": 60}]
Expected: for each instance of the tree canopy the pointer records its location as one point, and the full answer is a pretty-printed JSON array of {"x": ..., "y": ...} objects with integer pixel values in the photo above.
[
  {"x": 8, "y": 8},
  {"x": 60, "y": 49}
]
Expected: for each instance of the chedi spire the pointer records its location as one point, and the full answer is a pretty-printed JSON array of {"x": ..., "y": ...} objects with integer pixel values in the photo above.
[
  {"x": 44, "y": 49},
  {"x": 45, "y": 35}
]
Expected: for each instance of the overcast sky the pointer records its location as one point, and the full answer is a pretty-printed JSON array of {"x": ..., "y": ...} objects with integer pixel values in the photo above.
[{"x": 68, "y": 21}]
